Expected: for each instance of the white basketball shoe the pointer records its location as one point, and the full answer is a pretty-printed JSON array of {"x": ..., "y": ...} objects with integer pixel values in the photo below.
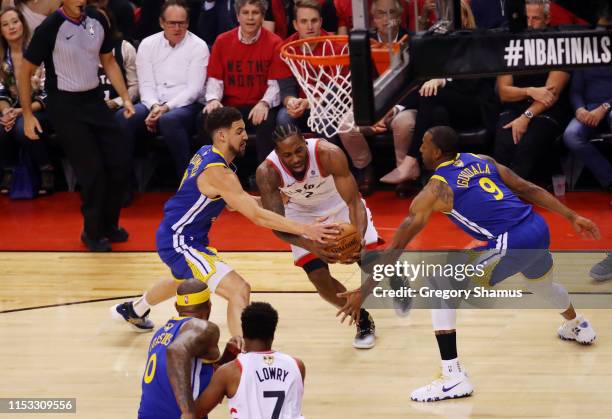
[
  {"x": 445, "y": 387},
  {"x": 578, "y": 329}
]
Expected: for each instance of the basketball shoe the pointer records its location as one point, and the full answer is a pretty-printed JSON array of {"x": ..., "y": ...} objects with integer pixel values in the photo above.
[
  {"x": 125, "y": 312},
  {"x": 578, "y": 329},
  {"x": 445, "y": 387},
  {"x": 365, "y": 337}
]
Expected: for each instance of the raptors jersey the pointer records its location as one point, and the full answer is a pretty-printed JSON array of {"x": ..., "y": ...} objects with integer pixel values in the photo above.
[
  {"x": 271, "y": 387},
  {"x": 316, "y": 193}
]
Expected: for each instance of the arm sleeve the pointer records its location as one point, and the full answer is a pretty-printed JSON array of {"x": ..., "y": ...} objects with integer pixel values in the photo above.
[
  {"x": 272, "y": 95},
  {"x": 214, "y": 89},
  {"x": 129, "y": 65},
  {"x": 42, "y": 43},
  {"x": 146, "y": 79}
]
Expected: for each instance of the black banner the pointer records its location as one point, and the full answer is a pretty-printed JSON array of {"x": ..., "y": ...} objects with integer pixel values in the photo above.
[{"x": 490, "y": 53}]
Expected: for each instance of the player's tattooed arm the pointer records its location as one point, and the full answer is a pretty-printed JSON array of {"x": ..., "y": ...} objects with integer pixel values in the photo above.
[
  {"x": 197, "y": 339},
  {"x": 269, "y": 182},
  {"x": 334, "y": 163}
]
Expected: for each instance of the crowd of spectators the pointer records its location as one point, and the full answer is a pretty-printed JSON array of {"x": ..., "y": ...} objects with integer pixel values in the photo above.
[{"x": 182, "y": 58}]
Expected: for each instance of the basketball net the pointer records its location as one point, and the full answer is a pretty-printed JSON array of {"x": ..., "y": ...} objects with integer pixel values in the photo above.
[{"x": 325, "y": 82}]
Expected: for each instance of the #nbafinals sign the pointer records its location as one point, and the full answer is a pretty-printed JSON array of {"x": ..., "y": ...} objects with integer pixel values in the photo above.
[{"x": 563, "y": 51}]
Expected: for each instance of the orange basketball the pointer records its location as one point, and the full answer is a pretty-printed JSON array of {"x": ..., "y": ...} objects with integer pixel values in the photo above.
[{"x": 347, "y": 242}]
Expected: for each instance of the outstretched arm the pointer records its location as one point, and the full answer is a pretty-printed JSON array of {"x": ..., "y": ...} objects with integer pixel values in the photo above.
[
  {"x": 221, "y": 181},
  {"x": 197, "y": 339},
  {"x": 435, "y": 196},
  {"x": 539, "y": 196}
]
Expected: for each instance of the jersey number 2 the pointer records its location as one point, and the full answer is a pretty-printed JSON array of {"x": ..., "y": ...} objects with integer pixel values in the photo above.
[
  {"x": 489, "y": 186},
  {"x": 280, "y": 398}
]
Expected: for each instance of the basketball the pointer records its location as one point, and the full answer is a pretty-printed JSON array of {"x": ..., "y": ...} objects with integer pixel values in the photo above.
[{"x": 347, "y": 242}]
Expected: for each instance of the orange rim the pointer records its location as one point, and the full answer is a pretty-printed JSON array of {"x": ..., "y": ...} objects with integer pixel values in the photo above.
[{"x": 380, "y": 53}]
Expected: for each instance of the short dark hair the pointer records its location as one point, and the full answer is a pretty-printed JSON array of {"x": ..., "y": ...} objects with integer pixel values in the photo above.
[
  {"x": 259, "y": 321},
  {"x": 445, "y": 138},
  {"x": 282, "y": 132},
  {"x": 306, "y": 4},
  {"x": 221, "y": 118},
  {"x": 178, "y": 3},
  {"x": 262, "y": 4}
]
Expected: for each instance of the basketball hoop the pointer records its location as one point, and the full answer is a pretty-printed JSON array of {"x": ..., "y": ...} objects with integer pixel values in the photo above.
[{"x": 321, "y": 66}]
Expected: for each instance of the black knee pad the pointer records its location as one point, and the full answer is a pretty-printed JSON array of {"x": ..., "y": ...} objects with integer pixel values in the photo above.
[{"x": 313, "y": 265}]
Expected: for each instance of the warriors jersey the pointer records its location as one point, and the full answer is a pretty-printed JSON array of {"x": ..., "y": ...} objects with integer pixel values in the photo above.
[
  {"x": 271, "y": 386},
  {"x": 316, "y": 193},
  {"x": 157, "y": 400},
  {"x": 188, "y": 215},
  {"x": 483, "y": 206}
]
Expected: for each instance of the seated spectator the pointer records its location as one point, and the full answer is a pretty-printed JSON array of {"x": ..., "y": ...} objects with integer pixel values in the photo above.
[
  {"x": 400, "y": 121},
  {"x": 308, "y": 23},
  {"x": 425, "y": 17},
  {"x": 591, "y": 96},
  {"x": 171, "y": 68},
  {"x": 34, "y": 11},
  {"x": 462, "y": 104},
  {"x": 281, "y": 15},
  {"x": 125, "y": 55},
  {"x": 534, "y": 109},
  {"x": 238, "y": 74},
  {"x": 15, "y": 35}
]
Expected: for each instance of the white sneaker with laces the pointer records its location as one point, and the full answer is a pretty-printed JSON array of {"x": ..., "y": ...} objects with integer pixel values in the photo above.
[
  {"x": 578, "y": 329},
  {"x": 445, "y": 387}
]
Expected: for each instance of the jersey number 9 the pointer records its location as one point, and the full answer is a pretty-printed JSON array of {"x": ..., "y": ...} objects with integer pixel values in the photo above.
[{"x": 489, "y": 186}]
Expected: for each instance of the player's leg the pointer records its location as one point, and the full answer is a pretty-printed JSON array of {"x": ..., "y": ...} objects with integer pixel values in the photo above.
[
  {"x": 453, "y": 381},
  {"x": 328, "y": 287},
  {"x": 237, "y": 292}
]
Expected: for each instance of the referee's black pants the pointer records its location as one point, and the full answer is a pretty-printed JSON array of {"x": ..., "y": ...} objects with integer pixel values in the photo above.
[{"x": 101, "y": 159}]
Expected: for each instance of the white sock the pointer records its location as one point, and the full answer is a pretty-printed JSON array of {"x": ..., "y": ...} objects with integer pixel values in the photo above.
[
  {"x": 451, "y": 367},
  {"x": 141, "y": 305}
]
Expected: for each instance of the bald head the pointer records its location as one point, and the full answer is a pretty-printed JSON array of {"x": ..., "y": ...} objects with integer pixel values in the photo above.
[{"x": 193, "y": 290}]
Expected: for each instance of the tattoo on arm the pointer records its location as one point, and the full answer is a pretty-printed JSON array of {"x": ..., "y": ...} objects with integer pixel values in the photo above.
[{"x": 442, "y": 191}]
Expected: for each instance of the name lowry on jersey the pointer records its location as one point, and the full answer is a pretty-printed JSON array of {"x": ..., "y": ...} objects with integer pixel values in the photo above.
[{"x": 271, "y": 373}]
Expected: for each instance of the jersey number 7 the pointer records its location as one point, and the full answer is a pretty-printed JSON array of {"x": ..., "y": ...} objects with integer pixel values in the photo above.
[{"x": 280, "y": 398}]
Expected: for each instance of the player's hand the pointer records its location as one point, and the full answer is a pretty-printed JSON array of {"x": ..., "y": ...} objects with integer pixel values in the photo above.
[
  {"x": 322, "y": 233},
  {"x": 430, "y": 87},
  {"x": 235, "y": 344},
  {"x": 211, "y": 106},
  {"x": 320, "y": 251},
  {"x": 352, "y": 307},
  {"x": 31, "y": 127},
  {"x": 586, "y": 227},
  {"x": 543, "y": 95},
  {"x": 259, "y": 113},
  {"x": 519, "y": 128}
]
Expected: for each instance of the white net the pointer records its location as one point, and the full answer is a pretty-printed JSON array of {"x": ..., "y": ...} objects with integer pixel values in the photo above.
[{"x": 327, "y": 87}]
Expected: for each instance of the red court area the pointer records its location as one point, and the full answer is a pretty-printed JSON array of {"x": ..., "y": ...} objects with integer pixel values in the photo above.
[{"x": 54, "y": 224}]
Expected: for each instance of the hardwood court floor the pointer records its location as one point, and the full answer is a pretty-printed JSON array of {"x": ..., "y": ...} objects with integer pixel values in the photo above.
[{"x": 518, "y": 366}]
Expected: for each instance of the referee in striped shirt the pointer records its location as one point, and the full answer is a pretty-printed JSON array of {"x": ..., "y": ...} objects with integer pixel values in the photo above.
[{"x": 71, "y": 42}]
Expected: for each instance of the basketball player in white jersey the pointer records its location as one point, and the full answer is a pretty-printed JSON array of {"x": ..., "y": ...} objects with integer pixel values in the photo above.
[
  {"x": 261, "y": 383},
  {"x": 314, "y": 177}
]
